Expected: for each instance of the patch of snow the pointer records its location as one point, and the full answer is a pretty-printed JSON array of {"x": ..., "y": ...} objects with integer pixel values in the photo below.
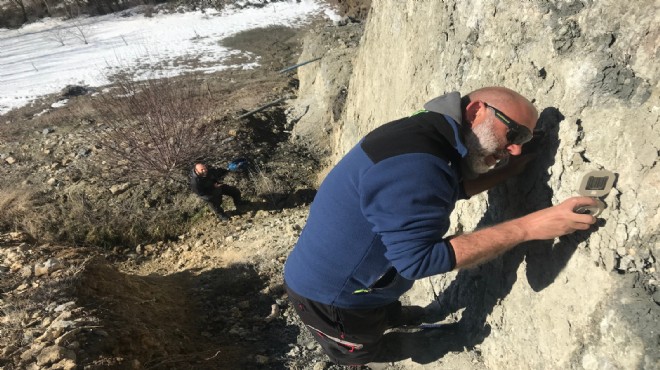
[
  {"x": 43, "y": 57},
  {"x": 59, "y": 103}
]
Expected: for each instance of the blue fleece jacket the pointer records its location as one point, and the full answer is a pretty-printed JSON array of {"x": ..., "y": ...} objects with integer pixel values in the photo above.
[{"x": 378, "y": 221}]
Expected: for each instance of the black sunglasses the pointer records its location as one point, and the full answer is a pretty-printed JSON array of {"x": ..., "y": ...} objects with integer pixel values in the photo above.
[{"x": 517, "y": 134}]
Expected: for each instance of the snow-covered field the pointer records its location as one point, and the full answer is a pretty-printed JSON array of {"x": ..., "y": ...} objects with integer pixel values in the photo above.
[{"x": 42, "y": 58}]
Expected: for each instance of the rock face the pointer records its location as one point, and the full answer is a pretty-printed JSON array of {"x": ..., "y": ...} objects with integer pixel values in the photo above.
[{"x": 583, "y": 301}]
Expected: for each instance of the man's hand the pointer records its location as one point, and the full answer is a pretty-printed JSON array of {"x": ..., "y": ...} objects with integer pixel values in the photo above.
[
  {"x": 549, "y": 223},
  {"x": 217, "y": 184},
  {"x": 553, "y": 222}
]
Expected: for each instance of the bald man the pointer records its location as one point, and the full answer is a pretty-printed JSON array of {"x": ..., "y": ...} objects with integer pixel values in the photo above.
[
  {"x": 206, "y": 182},
  {"x": 379, "y": 219}
]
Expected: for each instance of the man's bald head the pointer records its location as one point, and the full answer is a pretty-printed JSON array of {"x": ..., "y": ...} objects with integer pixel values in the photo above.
[
  {"x": 509, "y": 102},
  {"x": 200, "y": 169}
]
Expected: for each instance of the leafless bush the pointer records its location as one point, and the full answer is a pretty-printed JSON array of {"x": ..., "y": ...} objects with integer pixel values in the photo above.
[
  {"x": 157, "y": 126},
  {"x": 79, "y": 30},
  {"x": 58, "y": 34}
]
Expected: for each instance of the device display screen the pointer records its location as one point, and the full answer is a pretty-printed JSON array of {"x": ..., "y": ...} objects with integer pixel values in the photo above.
[{"x": 596, "y": 183}]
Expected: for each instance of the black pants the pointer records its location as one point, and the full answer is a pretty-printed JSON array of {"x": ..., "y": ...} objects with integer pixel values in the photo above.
[
  {"x": 215, "y": 199},
  {"x": 348, "y": 336}
]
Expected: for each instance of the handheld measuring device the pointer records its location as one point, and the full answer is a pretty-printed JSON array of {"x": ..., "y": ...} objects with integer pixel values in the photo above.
[{"x": 595, "y": 184}]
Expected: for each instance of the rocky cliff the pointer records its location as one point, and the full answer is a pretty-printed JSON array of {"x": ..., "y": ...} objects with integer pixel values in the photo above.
[{"x": 589, "y": 300}]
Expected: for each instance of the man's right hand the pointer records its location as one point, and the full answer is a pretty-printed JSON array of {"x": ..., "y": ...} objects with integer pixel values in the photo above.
[
  {"x": 483, "y": 245},
  {"x": 559, "y": 220}
]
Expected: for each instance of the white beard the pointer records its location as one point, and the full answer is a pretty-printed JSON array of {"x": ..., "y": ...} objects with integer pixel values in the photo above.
[{"x": 481, "y": 142}]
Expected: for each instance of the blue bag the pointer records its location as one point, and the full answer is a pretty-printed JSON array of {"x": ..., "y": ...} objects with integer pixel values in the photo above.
[{"x": 237, "y": 165}]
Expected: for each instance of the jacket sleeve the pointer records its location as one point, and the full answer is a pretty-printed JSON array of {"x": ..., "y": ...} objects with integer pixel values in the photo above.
[
  {"x": 194, "y": 183},
  {"x": 408, "y": 199},
  {"x": 218, "y": 174}
]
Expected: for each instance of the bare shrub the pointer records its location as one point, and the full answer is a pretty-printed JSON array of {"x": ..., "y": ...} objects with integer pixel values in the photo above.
[
  {"x": 58, "y": 34},
  {"x": 81, "y": 31},
  {"x": 157, "y": 126}
]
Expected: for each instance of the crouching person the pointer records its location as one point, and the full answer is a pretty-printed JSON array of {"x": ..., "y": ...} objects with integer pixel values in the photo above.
[{"x": 206, "y": 182}]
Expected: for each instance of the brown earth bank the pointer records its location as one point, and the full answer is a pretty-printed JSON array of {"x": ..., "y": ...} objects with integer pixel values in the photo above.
[{"x": 104, "y": 266}]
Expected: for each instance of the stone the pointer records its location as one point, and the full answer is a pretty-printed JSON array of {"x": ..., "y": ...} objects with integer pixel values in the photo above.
[
  {"x": 656, "y": 297},
  {"x": 62, "y": 308},
  {"x": 322, "y": 365},
  {"x": 32, "y": 351},
  {"x": 8, "y": 350},
  {"x": 66, "y": 364},
  {"x": 119, "y": 188},
  {"x": 53, "y": 354},
  {"x": 48, "y": 267},
  {"x": 274, "y": 313},
  {"x": 26, "y": 271},
  {"x": 84, "y": 152},
  {"x": 10, "y": 160},
  {"x": 62, "y": 340},
  {"x": 294, "y": 352},
  {"x": 50, "y": 334},
  {"x": 53, "y": 264}
]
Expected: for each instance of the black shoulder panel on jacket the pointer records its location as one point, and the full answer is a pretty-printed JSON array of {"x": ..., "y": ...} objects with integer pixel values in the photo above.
[{"x": 426, "y": 132}]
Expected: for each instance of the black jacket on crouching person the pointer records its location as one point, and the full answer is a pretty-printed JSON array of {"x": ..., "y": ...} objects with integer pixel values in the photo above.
[
  {"x": 211, "y": 189},
  {"x": 204, "y": 186}
]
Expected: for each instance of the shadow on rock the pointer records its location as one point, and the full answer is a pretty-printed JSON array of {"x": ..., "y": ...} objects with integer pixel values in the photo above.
[
  {"x": 545, "y": 261},
  {"x": 422, "y": 346}
]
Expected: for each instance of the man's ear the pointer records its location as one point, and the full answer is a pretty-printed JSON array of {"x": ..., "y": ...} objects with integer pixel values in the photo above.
[{"x": 471, "y": 111}]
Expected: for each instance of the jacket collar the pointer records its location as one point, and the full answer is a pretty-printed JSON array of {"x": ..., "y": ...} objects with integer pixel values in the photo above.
[{"x": 449, "y": 105}]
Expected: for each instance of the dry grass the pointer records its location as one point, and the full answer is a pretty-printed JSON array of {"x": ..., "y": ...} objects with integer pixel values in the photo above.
[
  {"x": 265, "y": 185},
  {"x": 20, "y": 211},
  {"x": 81, "y": 218}
]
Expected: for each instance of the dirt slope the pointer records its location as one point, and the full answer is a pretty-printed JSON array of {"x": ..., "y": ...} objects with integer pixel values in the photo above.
[{"x": 209, "y": 297}]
